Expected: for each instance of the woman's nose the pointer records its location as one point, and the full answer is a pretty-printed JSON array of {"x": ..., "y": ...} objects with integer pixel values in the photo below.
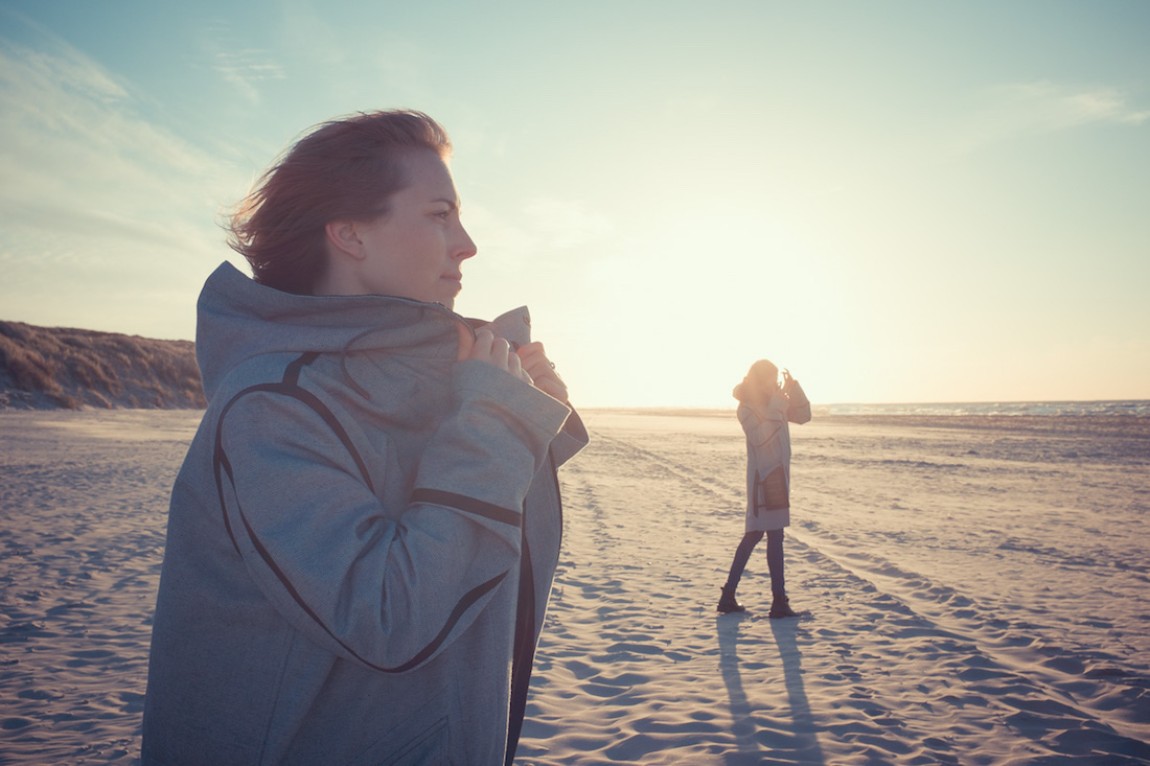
[{"x": 466, "y": 247}]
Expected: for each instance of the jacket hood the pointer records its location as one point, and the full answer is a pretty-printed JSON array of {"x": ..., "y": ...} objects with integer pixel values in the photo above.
[{"x": 238, "y": 318}]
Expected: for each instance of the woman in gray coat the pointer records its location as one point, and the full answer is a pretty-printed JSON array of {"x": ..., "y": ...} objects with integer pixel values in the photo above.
[
  {"x": 363, "y": 535},
  {"x": 765, "y": 406}
]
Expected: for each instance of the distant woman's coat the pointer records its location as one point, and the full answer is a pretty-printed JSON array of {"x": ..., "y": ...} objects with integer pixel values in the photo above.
[{"x": 769, "y": 455}]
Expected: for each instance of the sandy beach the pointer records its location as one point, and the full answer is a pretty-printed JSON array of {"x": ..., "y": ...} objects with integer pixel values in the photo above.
[{"x": 974, "y": 591}]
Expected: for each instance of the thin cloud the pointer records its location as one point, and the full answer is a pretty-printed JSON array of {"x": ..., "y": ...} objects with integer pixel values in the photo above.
[
  {"x": 1054, "y": 107},
  {"x": 1016, "y": 110},
  {"x": 247, "y": 70},
  {"x": 244, "y": 68},
  {"x": 86, "y": 172}
]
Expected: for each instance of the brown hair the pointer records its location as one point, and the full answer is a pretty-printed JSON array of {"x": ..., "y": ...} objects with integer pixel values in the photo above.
[
  {"x": 761, "y": 378},
  {"x": 343, "y": 169}
]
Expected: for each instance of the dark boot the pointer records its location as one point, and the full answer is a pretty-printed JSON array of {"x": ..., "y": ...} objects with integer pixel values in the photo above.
[
  {"x": 781, "y": 607},
  {"x": 727, "y": 603}
]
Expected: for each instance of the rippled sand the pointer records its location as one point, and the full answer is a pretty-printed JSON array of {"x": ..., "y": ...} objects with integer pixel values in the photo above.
[{"x": 974, "y": 591}]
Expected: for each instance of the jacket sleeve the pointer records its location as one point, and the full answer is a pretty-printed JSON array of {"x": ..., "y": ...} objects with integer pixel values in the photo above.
[
  {"x": 570, "y": 440},
  {"x": 799, "y": 409},
  {"x": 385, "y": 587}
]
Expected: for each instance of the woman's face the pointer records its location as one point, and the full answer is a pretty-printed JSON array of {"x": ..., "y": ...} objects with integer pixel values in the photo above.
[{"x": 417, "y": 248}]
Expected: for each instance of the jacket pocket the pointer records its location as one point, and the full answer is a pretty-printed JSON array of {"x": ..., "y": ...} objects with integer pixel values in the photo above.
[
  {"x": 414, "y": 742},
  {"x": 771, "y": 491}
]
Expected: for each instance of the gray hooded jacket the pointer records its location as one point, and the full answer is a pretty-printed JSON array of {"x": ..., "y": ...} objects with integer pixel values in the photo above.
[{"x": 361, "y": 540}]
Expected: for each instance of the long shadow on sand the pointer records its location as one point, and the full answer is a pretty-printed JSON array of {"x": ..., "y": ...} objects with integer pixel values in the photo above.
[
  {"x": 806, "y": 742},
  {"x": 771, "y": 745},
  {"x": 742, "y": 720}
]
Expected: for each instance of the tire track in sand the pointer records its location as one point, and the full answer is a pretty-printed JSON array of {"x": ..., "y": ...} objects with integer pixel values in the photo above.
[{"x": 1035, "y": 687}]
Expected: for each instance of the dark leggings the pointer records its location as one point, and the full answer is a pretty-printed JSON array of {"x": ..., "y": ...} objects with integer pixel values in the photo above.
[{"x": 774, "y": 561}]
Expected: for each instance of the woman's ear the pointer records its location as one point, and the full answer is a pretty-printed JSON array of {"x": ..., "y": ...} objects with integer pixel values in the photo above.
[{"x": 343, "y": 239}]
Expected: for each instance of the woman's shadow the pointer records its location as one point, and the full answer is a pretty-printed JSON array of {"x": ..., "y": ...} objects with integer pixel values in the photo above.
[{"x": 793, "y": 741}]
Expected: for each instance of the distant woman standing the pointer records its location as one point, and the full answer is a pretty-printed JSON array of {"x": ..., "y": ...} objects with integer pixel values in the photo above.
[{"x": 765, "y": 406}]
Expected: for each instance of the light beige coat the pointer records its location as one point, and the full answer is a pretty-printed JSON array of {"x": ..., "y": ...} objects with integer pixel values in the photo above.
[{"x": 769, "y": 456}]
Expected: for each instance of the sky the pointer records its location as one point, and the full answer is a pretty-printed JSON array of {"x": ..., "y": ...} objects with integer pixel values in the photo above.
[{"x": 897, "y": 201}]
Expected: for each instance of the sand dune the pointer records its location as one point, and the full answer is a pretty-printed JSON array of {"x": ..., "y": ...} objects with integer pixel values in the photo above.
[
  {"x": 975, "y": 593},
  {"x": 66, "y": 368}
]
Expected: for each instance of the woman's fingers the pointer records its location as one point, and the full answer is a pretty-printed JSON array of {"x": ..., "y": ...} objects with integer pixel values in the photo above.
[
  {"x": 535, "y": 361},
  {"x": 466, "y": 341},
  {"x": 529, "y": 362},
  {"x": 493, "y": 350},
  {"x": 481, "y": 348},
  {"x": 515, "y": 366},
  {"x": 542, "y": 371}
]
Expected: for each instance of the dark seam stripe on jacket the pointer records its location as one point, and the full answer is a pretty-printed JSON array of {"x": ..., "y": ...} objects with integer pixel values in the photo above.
[
  {"x": 312, "y": 401},
  {"x": 290, "y": 387},
  {"x": 467, "y": 505},
  {"x": 220, "y": 460},
  {"x": 523, "y": 657},
  {"x": 461, "y": 606},
  {"x": 469, "y": 599},
  {"x": 523, "y": 652},
  {"x": 291, "y": 374}
]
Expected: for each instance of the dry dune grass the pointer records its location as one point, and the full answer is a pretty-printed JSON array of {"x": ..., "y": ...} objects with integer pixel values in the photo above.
[{"x": 55, "y": 367}]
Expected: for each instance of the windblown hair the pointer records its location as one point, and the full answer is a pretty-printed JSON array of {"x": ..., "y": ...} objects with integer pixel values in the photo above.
[
  {"x": 761, "y": 378},
  {"x": 343, "y": 169}
]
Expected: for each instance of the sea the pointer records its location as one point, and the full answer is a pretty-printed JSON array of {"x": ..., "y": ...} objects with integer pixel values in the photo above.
[{"x": 1109, "y": 408}]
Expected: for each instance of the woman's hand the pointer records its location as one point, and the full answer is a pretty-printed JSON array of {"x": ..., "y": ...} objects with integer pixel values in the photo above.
[
  {"x": 491, "y": 349},
  {"x": 788, "y": 382},
  {"x": 542, "y": 371}
]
